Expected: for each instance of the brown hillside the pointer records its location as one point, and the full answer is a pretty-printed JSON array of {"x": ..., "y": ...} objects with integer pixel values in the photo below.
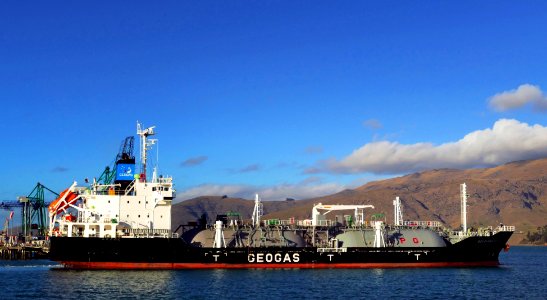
[{"x": 193, "y": 209}]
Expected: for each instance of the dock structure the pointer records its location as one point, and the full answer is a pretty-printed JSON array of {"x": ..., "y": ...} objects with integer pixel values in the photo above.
[{"x": 23, "y": 251}]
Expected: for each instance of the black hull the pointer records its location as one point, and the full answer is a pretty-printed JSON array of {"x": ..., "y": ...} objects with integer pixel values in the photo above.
[{"x": 162, "y": 253}]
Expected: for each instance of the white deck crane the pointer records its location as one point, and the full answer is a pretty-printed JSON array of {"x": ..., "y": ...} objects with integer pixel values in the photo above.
[{"x": 359, "y": 212}]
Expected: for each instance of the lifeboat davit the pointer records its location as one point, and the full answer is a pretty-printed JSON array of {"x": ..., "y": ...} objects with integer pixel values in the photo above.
[{"x": 66, "y": 198}]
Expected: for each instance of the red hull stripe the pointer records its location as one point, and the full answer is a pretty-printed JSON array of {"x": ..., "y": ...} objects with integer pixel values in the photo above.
[{"x": 168, "y": 266}]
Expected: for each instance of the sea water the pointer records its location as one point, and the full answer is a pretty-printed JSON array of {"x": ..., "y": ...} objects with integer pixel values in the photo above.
[{"x": 522, "y": 275}]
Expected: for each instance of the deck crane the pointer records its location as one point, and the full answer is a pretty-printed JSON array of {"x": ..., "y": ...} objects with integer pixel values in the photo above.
[
  {"x": 126, "y": 149},
  {"x": 125, "y": 155},
  {"x": 359, "y": 212}
]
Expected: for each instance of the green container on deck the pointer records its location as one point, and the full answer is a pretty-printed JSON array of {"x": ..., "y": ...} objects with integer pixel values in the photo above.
[{"x": 273, "y": 222}]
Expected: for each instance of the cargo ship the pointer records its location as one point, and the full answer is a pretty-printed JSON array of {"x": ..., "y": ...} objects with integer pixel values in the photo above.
[{"x": 123, "y": 221}]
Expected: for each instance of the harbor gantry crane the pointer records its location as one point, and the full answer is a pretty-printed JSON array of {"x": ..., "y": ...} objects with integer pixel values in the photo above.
[{"x": 33, "y": 210}]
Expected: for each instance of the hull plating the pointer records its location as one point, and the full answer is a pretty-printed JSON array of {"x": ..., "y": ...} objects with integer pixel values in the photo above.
[
  {"x": 163, "y": 253},
  {"x": 171, "y": 266}
]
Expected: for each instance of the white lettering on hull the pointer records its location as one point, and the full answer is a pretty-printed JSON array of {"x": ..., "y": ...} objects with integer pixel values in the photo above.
[{"x": 276, "y": 257}]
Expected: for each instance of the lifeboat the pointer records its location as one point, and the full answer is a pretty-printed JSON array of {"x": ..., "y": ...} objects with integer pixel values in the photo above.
[{"x": 66, "y": 198}]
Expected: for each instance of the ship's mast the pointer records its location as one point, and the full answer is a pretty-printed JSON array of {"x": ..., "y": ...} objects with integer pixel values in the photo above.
[
  {"x": 398, "y": 212},
  {"x": 257, "y": 212},
  {"x": 463, "y": 196},
  {"x": 144, "y": 145}
]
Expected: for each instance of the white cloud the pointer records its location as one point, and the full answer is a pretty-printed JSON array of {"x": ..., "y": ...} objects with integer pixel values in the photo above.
[
  {"x": 308, "y": 188},
  {"x": 508, "y": 140},
  {"x": 524, "y": 94}
]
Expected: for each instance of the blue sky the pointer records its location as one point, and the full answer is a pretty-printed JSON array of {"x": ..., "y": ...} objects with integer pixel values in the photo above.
[{"x": 284, "y": 98}]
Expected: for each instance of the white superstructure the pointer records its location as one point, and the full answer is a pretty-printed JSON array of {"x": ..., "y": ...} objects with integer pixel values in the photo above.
[{"x": 138, "y": 208}]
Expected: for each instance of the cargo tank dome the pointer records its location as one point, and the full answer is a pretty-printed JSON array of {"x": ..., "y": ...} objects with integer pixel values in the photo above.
[
  {"x": 415, "y": 238},
  {"x": 359, "y": 238}
]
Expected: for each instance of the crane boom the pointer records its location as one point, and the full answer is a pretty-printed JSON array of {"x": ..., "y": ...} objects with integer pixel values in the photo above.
[{"x": 359, "y": 211}]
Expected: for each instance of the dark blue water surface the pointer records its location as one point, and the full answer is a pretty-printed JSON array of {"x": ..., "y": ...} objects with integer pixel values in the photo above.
[{"x": 522, "y": 275}]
